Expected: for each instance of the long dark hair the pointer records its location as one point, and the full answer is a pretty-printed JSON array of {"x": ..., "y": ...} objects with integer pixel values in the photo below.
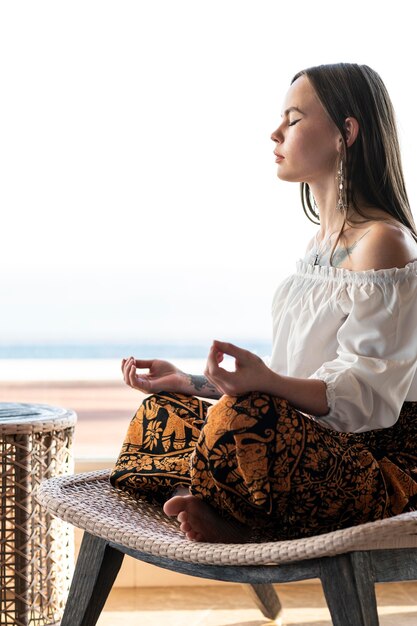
[{"x": 373, "y": 162}]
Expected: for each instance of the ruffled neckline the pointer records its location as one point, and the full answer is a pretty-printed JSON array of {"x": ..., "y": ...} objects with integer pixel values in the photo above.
[{"x": 342, "y": 275}]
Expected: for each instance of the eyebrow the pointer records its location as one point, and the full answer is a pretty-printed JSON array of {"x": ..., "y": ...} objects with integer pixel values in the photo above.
[{"x": 293, "y": 109}]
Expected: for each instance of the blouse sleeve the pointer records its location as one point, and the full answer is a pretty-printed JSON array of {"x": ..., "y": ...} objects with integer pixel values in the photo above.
[{"x": 367, "y": 383}]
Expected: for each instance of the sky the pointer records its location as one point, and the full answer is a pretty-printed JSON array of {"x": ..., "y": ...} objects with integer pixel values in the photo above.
[{"x": 138, "y": 185}]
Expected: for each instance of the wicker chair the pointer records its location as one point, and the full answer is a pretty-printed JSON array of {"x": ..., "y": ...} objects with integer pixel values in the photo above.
[{"x": 348, "y": 562}]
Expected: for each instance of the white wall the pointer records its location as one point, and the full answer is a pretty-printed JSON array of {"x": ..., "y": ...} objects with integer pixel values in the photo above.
[{"x": 138, "y": 191}]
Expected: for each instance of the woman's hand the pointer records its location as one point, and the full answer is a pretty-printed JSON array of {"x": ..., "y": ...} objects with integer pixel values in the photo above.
[
  {"x": 251, "y": 373},
  {"x": 162, "y": 376}
]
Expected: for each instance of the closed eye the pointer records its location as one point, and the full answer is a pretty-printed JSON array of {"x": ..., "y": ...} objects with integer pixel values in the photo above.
[{"x": 294, "y": 122}]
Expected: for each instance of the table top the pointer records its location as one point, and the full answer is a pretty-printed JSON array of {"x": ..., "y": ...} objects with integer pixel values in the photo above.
[{"x": 21, "y": 417}]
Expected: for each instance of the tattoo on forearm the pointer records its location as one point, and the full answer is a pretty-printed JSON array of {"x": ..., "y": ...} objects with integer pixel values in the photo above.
[
  {"x": 199, "y": 382},
  {"x": 201, "y": 386}
]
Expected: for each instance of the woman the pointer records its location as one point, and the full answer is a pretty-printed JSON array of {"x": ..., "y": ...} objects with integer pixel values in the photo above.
[{"x": 325, "y": 437}]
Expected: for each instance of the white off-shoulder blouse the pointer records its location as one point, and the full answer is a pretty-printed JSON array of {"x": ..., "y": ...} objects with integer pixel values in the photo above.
[{"x": 356, "y": 331}]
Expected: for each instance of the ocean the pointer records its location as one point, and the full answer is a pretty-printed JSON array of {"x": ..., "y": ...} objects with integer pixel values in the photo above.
[
  {"x": 83, "y": 362},
  {"x": 116, "y": 350}
]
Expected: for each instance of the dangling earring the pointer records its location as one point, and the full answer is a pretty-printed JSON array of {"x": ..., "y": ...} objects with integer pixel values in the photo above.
[
  {"x": 316, "y": 208},
  {"x": 341, "y": 186}
]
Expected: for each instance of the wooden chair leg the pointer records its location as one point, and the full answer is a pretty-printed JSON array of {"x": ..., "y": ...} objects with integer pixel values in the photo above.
[
  {"x": 266, "y": 599},
  {"x": 95, "y": 572},
  {"x": 349, "y": 588}
]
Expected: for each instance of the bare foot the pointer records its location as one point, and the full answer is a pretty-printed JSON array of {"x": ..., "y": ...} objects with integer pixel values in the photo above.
[{"x": 200, "y": 522}]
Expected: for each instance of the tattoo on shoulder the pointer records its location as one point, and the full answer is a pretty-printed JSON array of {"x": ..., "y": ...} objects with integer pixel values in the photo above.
[{"x": 341, "y": 254}]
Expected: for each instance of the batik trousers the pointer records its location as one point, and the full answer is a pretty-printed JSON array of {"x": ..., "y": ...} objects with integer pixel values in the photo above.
[{"x": 258, "y": 460}]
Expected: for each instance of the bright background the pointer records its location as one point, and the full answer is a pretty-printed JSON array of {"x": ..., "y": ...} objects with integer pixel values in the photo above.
[{"x": 138, "y": 187}]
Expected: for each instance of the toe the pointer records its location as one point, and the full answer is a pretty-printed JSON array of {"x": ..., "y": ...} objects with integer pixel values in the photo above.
[
  {"x": 185, "y": 527},
  {"x": 191, "y": 536},
  {"x": 174, "y": 506}
]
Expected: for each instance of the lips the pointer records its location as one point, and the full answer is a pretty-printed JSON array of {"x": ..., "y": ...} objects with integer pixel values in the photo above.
[{"x": 279, "y": 157}]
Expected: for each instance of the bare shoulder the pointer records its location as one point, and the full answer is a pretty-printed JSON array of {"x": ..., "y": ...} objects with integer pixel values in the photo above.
[{"x": 382, "y": 245}]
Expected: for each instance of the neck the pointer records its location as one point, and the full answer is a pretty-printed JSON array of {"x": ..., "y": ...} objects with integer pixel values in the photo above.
[{"x": 331, "y": 219}]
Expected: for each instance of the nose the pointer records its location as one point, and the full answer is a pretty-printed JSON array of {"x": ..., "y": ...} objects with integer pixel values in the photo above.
[{"x": 277, "y": 135}]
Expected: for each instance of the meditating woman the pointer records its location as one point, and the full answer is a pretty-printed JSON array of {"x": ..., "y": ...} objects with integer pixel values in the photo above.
[{"x": 325, "y": 435}]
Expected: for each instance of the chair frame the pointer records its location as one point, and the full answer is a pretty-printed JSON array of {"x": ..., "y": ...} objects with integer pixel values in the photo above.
[{"x": 348, "y": 580}]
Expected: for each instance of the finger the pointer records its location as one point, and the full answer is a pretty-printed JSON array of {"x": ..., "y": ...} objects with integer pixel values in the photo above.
[
  {"x": 228, "y": 348},
  {"x": 125, "y": 362},
  {"x": 131, "y": 375},
  {"x": 213, "y": 361},
  {"x": 126, "y": 372},
  {"x": 139, "y": 382},
  {"x": 125, "y": 366},
  {"x": 143, "y": 363},
  {"x": 214, "y": 372},
  {"x": 215, "y": 356},
  {"x": 219, "y": 355}
]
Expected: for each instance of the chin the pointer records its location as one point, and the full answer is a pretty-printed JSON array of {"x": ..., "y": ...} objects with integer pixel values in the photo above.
[{"x": 288, "y": 178}]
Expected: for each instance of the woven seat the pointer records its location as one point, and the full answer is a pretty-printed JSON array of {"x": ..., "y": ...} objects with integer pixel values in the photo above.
[{"x": 348, "y": 561}]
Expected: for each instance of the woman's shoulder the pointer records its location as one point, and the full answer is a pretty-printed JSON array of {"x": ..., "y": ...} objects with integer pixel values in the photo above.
[{"x": 379, "y": 245}]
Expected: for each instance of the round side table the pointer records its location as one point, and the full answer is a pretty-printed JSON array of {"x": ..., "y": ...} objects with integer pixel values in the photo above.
[{"x": 36, "y": 549}]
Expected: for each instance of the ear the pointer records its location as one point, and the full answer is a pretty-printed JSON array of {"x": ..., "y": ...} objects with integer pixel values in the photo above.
[{"x": 351, "y": 130}]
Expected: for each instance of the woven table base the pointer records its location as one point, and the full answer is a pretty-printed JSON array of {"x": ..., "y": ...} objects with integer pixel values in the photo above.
[{"x": 36, "y": 549}]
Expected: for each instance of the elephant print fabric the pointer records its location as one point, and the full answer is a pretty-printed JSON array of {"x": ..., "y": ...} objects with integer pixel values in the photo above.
[{"x": 258, "y": 460}]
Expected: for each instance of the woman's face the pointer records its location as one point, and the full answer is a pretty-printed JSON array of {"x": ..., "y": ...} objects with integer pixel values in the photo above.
[{"x": 307, "y": 139}]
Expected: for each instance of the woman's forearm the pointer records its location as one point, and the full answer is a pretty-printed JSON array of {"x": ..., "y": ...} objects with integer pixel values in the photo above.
[
  {"x": 305, "y": 394},
  {"x": 199, "y": 386}
]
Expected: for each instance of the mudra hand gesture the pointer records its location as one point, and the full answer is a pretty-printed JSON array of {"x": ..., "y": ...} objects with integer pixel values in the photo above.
[
  {"x": 162, "y": 376},
  {"x": 251, "y": 373}
]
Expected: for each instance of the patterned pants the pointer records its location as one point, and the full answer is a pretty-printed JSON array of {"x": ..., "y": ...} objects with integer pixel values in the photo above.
[{"x": 256, "y": 459}]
